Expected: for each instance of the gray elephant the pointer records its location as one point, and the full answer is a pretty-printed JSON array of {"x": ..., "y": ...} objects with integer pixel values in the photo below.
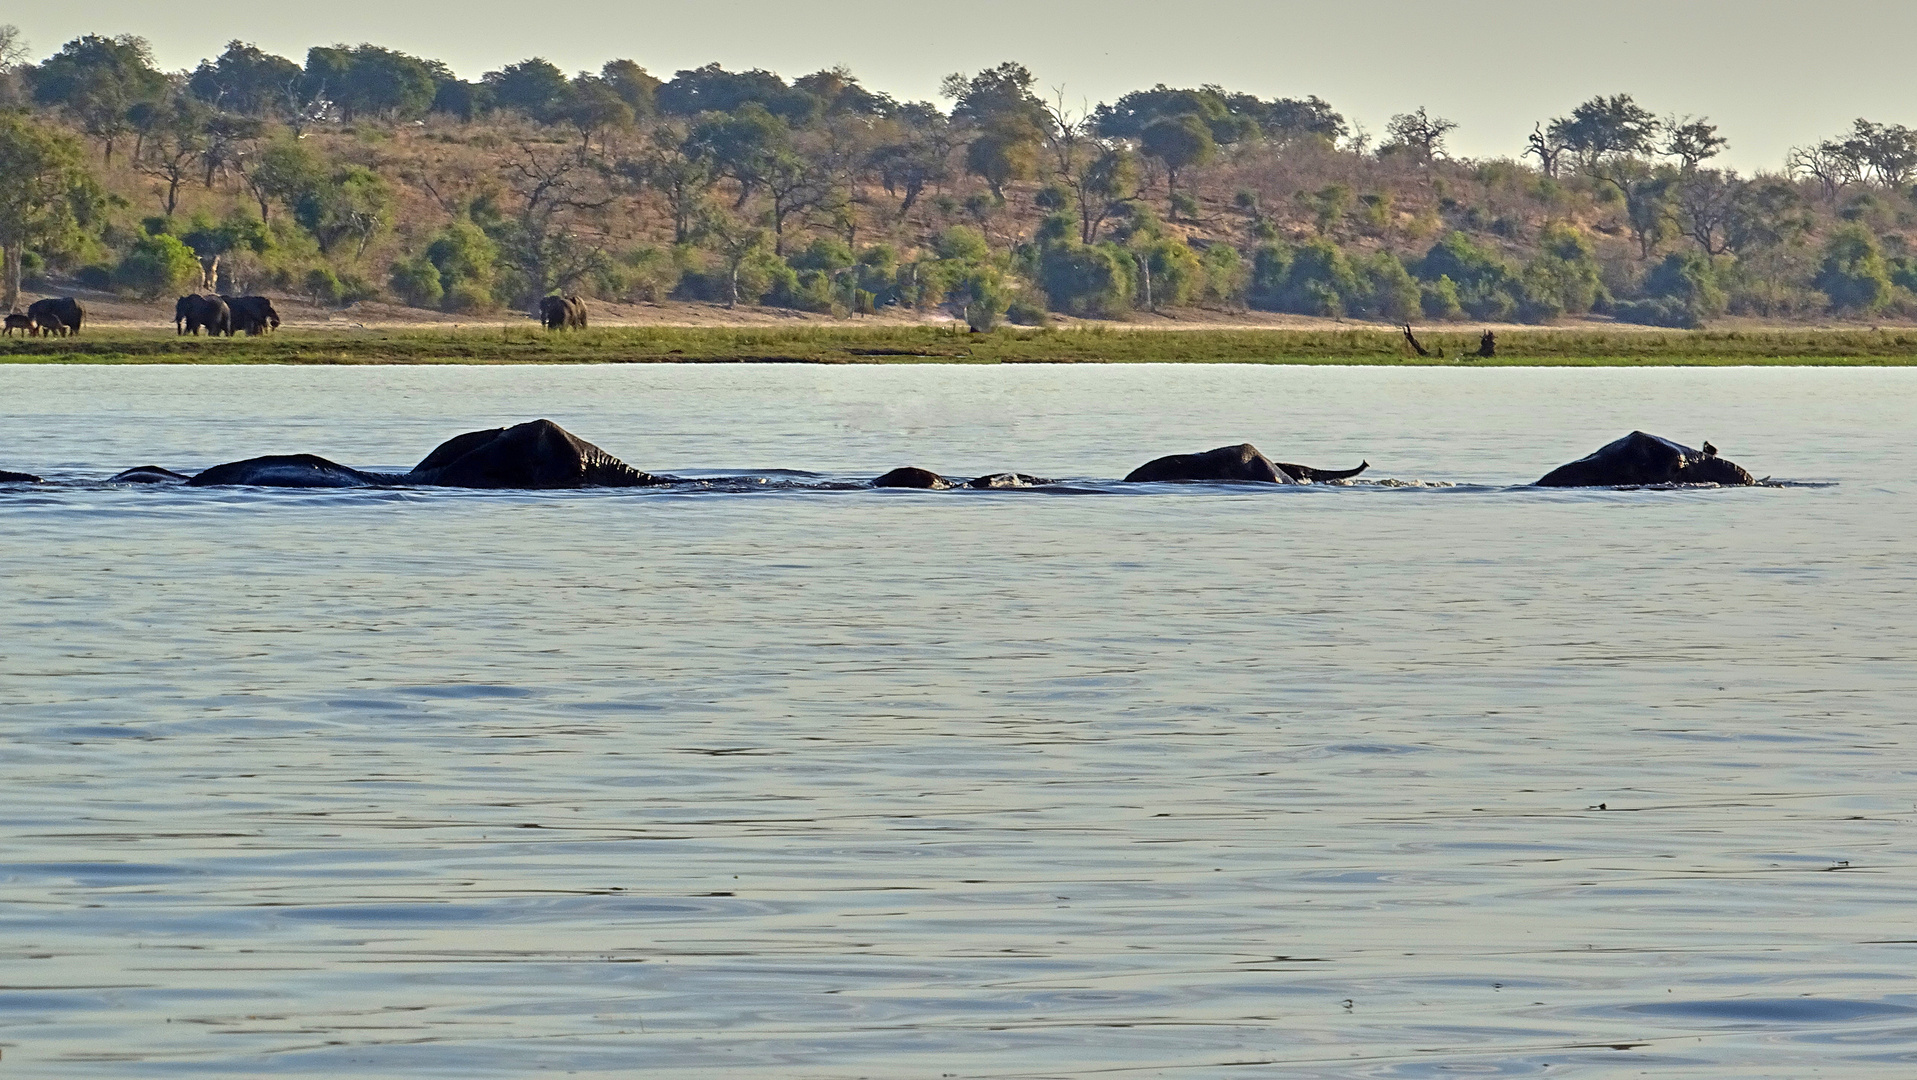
[
  {"x": 926, "y": 480},
  {"x": 61, "y": 315},
  {"x": 1639, "y": 459},
  {"x": 1242, "y": 464},
  {"x": 191, "y": 312},
  {"x": 538, "y": 455},
  {"x": 562, "y": 312},
  {"x": 252, "y": 315}
]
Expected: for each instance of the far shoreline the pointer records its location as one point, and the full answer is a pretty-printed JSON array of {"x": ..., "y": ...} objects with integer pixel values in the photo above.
[{"x": 845, "y": 342}]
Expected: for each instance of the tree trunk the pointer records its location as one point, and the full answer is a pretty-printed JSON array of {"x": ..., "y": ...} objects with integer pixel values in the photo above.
[
  {"x": 732, "y": 298},
  {"x": 12, "y": 271}
]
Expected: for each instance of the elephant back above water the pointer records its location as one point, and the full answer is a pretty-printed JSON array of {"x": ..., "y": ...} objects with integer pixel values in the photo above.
[
  {"x": 1242, "y": 464},
  {"x": 538, "y": 454},
  {"x": 1639, "y": 458}
]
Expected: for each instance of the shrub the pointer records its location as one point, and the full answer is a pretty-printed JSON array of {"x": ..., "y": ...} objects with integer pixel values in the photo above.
[
  {"x": 1563, "y": 277},
  {"x": 158, "y": 266},
  {"x": 324, "y": 286},
  {"x": 825, "y": 253},
  {"x": 962, "y": 243},
  {"x": 1689, "y": 279},
  {"x": 416, "y": 282},
  {"x": 469, "y": 296},
  {"x": 1172, "y": 274},
  {"x": 1439, "y": 299},
  {"x": 1391, "y": 293},
  {"x": 1092, "y": 281},
  {"x": 1270, "y": 269},
  {"x": 1025, "y": 313},
  {"x": 1225, "y": 275},
  {"x": 1657, "y": 311},
  {"x": 1854, "y": 274}
]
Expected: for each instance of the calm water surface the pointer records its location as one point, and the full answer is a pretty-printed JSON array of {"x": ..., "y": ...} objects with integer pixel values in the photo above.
[{"x": 1355, "y": 781}]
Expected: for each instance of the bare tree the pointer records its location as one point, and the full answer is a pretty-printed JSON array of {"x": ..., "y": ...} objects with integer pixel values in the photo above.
[
  {"x": 1546, "y": 148},
  {"x": 1421, "y": 133}
]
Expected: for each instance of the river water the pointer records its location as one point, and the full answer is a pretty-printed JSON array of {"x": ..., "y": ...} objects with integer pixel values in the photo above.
[{"x": 1198, "y": 781}]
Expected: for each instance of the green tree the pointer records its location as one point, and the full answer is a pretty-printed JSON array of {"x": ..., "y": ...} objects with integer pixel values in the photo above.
[
  {"x": 47, "y": 196},
  {"x": 99, "y": 79},
  {"x": 736, "y": 244},
  {"x": 353, "y": 203},
  {"x": 637, "y": 89},
  {"x": 1181, "y": 142},
  {"x": 248, "y": 80},
  {"x": 1854, "y": 274},
  {"x": 158, "y": 266},
  {"x": 1562, "y": 278},
  {"x": 368, "y": 80},
  {"x": 534, "y": 87},
  {"x": 286, "y": 171},
  {"x": 1690, "y": 279},
  {"x": 1001, "y": 153},
  {"x": 593, "y": 107}
]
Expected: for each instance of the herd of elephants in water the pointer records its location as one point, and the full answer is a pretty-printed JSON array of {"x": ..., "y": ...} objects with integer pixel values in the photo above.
[{"x": 541, "y": 455}]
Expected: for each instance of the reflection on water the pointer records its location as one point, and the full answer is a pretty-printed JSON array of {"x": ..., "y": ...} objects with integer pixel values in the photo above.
[{"x": 1351, "y": 781}]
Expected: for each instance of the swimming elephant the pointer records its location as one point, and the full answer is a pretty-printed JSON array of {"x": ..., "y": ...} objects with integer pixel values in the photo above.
[
  {"x": 537, "y": 455},
  {"x": 57, "y": 315},
  {"x": 288, "y": 471},
  {"x": 1242, "y": 463},
  {"x": 19, "y": 478},
  {"x": 562, "y": 312},
  {"x": 190, "y": 313},
  {"x": 1639, "y": 458},
  {"x": 912, "y": 477},
  {"x": 927, "y": 480},
  {"x": 147, "y": 474},
  {"x": 252, "y": 315}
]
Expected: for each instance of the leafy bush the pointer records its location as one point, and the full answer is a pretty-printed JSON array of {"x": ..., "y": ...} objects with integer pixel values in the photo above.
[
  {"x": 1689, "y": 279},
  {"x": 1563, "y": 277},
  {"x": 1225, "y": 275},
  {"x": 158, "y": 266},
  {"x": 1389, "y": 290},
  {"x": 1172, "y": 275},
  {"x": 1657, "y": 311},
  {"x": 962, "y": 243},
  {"x": 825, "y": 253},
  {"x": 1092, "y": 281},
  {"x": 1439, "y": 299},
  {"x": 1854, "y": 274},
  {"x": 1025, "y": 313},
  {"x": 416, "y": 281}
]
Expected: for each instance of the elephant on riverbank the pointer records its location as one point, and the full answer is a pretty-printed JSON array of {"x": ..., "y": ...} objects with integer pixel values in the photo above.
[
  {"x": 191, "y": 312},
  {"x": 1242, "y": 463},
  {"x": 562, "y": 312},
  {"x": 1639, "y": 459},
  {"x": 59, "y": 315},
  {"x": 252, "y": 315}
]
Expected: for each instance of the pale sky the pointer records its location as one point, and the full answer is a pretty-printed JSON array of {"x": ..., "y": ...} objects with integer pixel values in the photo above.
[{"x": 1771, "y": 75}]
